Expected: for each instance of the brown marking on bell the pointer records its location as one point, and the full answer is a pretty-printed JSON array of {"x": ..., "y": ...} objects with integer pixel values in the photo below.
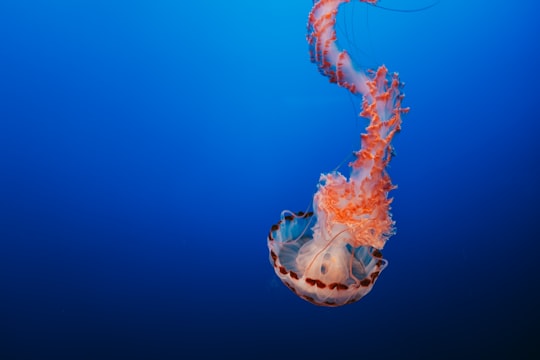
[
  {"x": 270, "y": 237},
  {"x": 374, "y": 276},
  {"x": 365, "y": 282},
  {"x": 283, "y": 270},
  {"x": 300, "y": 213},
  {"x": 311, "y": 281},
  {"x": 332, "y": 286},
  {"x": 293, "y": 275},
  {"x": 289, "y": 218},
  {"x": 309, "y": 214},
  {"x": 379, "y": 263},
  {"x": 274, "y": 259},
  {"x": 274, "y": 227},
  {"x": 320, "y": 284},
  {"x": 330, "y": 303},
  {"x": 310, "y": 299},
  {"x": 342, "y": 287},
  {"x": 353, "y": 300},
  {"x": 377, "y": 253}
]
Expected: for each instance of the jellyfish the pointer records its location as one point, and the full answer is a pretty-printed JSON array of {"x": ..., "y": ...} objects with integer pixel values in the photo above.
[{"x": 332, "y": 255}]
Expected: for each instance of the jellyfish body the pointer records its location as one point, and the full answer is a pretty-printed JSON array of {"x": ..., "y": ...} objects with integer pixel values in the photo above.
[{"x": 332, "y": 256}]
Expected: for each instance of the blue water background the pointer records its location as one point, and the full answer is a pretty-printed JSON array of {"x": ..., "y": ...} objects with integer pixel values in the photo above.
[{"x": 146, "y": 147}]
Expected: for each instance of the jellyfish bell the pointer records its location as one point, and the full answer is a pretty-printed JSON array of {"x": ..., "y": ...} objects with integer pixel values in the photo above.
[{"x": 322, "y": 268}]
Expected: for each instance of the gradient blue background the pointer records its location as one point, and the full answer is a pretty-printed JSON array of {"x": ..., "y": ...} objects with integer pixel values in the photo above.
[{"x": 146, "y": 147}]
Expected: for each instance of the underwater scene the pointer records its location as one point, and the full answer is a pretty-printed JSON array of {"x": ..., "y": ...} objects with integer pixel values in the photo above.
[{"x": 306, "y": 179}]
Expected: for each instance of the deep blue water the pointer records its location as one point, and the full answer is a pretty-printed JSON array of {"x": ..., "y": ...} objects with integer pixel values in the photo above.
[{"x": 146, "y": 147}]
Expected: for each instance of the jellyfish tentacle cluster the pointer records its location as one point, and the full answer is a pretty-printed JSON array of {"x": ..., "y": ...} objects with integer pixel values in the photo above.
[{"x": 332, "y": 256}]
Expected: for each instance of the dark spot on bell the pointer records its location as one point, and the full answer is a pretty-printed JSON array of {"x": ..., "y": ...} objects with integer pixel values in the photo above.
[
  {"x": 365, "y": 282},
  {"x": 293, "y": 275},
  {"x": 289, "y": 217},
  {"x": 311, "y": 281},
  {"x": 332, "y": 286},
  {"x": 274, "y": 227},
  {"x": 283, "y": 270},
  {"x": 320, "y": 284},
  {"x": 374, "y": 276},
  {"x": 377, "y": 253},
  {"x": 342, "y": 287}
]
